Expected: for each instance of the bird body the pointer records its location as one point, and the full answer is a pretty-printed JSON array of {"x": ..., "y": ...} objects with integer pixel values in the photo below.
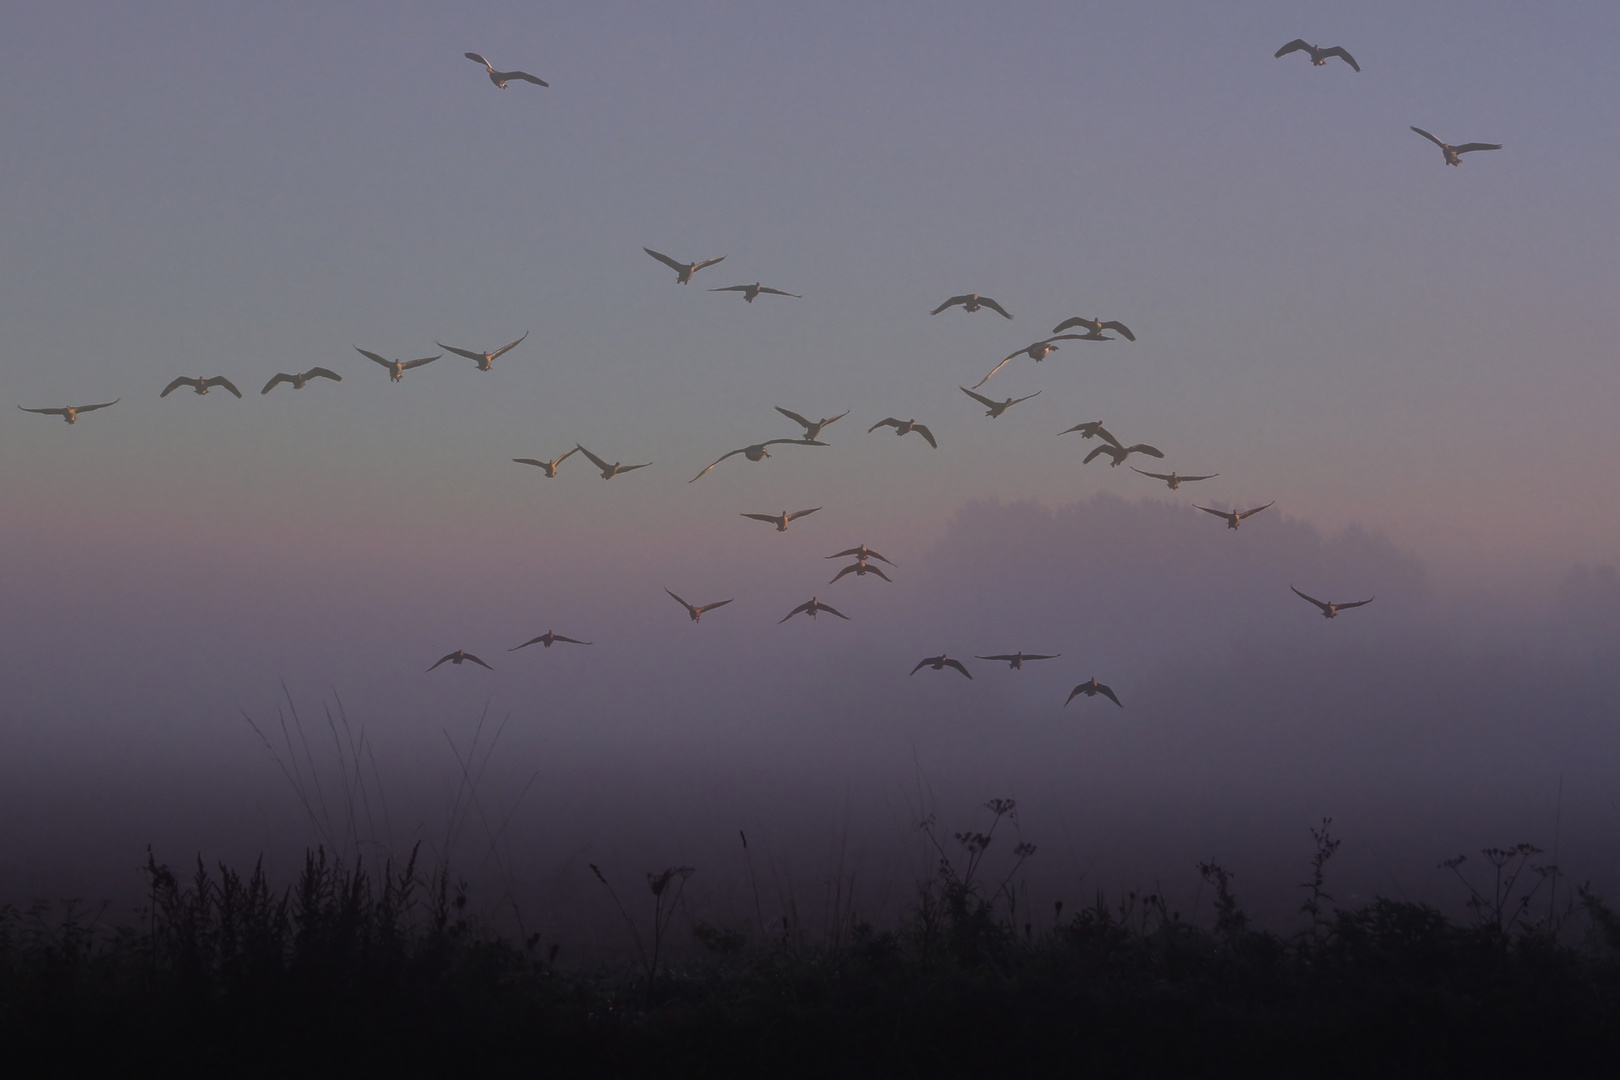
[
  {"x": 1453, "y": 153},
  {"x": 396, "y": 368},
  {"x": 457, "y": 657},
  {"x": 940, "y": 663},
  {"x": 1330, "y": 610},
  {"x": 1094, "y": 328},
  {"x": 860, "y": 569},
  {"x": 810, "y": 607},
  {"x": 695, "y": 612},
  {"x": 70, "y": 413},
  {"x": 1319, "y": 56},
  {"x": 905, "y": 427},
  {"x": 609, "y": 471},
  {"x": 811, "y": 430},
  {"x": 1092, "y": 689},
  {"x": 1040, "y": 350},
  {"x": 862, "y": 553},
  {"x": 550, "y": 467},
  {"x": 996, "y": 408},
  {"x": 301, "y": 379},
  {"x": 757, "y": 452},
  {"x": 1173, "y": 479},
  {"x": 1015, "y": 661},
  {"x": 500, "y": 78},
  {"x": 200, "y": 385},
  {"x": 484, "y": 360},
  {"x": 972, "y": 302},
  {"x": 751, "y": 291},
  {"x": 1234, "y": 517},
  {"x": 683, "y": 270},
  {"x": 781, "y": 520},
  {"x": 548, "y": 639}
]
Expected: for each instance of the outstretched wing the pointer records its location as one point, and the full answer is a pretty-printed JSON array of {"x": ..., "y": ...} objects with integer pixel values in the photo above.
[
  {"x": 802, "y": 607},
  {"x": 997, "y": 368},
  {"x": 407, "y": 365},
  {"x": 1358, "y": 603},
  {"x": 525, "y": 76},
  {"x": 779, "y": 292},
  {"x": 1224, "y": 514},
  {"x": 736, "y": 288},
  {"x": 220, "y": 380},
  {"x": 1467, "y": 148},
  {"x": 957, "y": 664},
  {"x": 1312, "y": 599},
  {"x": 681, "y": 602},
  {"x": 1026, "y": 397},
  {"x": 980, "y": 398},
  {"x": 1256, "y": 510},
  {"x": 717, "y": 461},
  {"x": 925, "y": 433},
  {"x": 993, "y": 306},
  {"x": 952, "y": 302},
  {"x": 885, "y": 422},
  {"x": 707, "y": 262},
  {"x": 1005, "y": 656},
  {"x": 1075, "y": 321},
  {"x": 1105, "y": 448},
  {"x": 479, "y": 59},
  {"x": 924, "y": 662},
  {"x": 795, "y": 417},
  {"x": 1109, "y": 694},
  {"x": 508, "y": 348},
  {"x": 633, "y": 468},
  {"x": 280, "y": 378},
  {"x": 850, "y": 569},
  {"x": 571, "y": 641},
  {"x": 177, "y": 384},
  {"x": 598, "y": 462},
  {"x": 711, "y": 607},
  {"x": 762, "y": 517},
  {"x": 532, "y": 461},
  {"x": 1431, "y": 138},
  {"x": 829, "y": 609},
  {"x": 791, "y": 442},
  {"x": 479, "y": 357},
  {"x": 374, "y": 357},
  {"x": 442, "y": 659},
  {"x": 1156, "y": 475},
  {"x": 666, "y": 260},
  {"x": 526, "y": 644},
  {"x": 1338, "y": 50},
  {"x": 1211, "y": 476},
  {"x": 1293, "y": 46},
  {"x": 89, "y": 408},
  {"x": 802, "y": 513},
  {"x": 474, "y": 659},
  {"x": 1120, "y": 328},
  {"x": 1144, "y": 448},
  {"x": 323, "y": 373},
  {"x": 48, "y": 412}
]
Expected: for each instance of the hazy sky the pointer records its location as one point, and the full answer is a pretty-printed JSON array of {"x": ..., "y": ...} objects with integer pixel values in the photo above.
[{"x": 1327, "y": 316}]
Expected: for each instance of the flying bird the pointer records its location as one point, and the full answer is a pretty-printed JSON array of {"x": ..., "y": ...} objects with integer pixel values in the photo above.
[
  {"x": 609, "y": 471},
  {"x": 972, "y": 302},
  {"x": 811, "y": 431},
  {"x": 548, "y": 639},
  {"x": 696, "y": 612},
  {"x": 995, "y": 408},
  {"x": 685, "y": 270},
  {"x": 1453, "y": 153},
  {"x": 301, "y": 380},
  {"x": 1319, "y": 56},
  {"x": 457, "y": 657},
  {"x": 757, "y": 452},
  {"x": 396, "y": 368},
  {"x": 1117, "y": 451},
  {"x": 781, "y": 520},
  {"x": 905, "y": 427},
  {"x": 862, "y": 553},
  {"x": 484, "y": 360},
  {"x": 70, "y": 413},
  {"x": 1089, "y": 429},
  {"x": 499, "y": 78},
  {"x": 1234, "y": 517},
  {"x": 859, "y": 569},
  {"x": 810, "y": 607},
  {"x": 1173, "y": 479},
  {"x": 1016, "y": 660},
  {"x": 549, "y": 466},
  {"x": 1094, "y": 328},
  {"x": 200, "y": 385},
  {"x": 940, "y": 663},
  {"x": 1040, "y": 351},
  {"x": 1330, "y": 611},
  {"x": 751, "y": 291},
  {"x": 1092, "y": 689}
]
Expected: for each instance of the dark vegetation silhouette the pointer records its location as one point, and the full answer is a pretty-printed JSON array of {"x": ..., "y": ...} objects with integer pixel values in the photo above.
[{"x": 362, "y": 968}]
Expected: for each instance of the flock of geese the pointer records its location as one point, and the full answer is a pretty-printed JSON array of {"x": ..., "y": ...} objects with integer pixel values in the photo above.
[{"x": 1095, "y": 329}]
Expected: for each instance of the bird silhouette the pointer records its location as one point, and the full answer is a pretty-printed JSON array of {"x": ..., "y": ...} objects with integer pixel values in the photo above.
[
  {"x": 1094, "y": 328},
  {"x": 811, "y": 430},
  {"x": 810, "y": 607},
  {"x": 695, "y": 612},
  {"x": 301, "y": 379},
  {"x": 1329, "y": 610},
  {"x": 1117, "y": 451},
  {"x": 484, "y": 360},
  {"x": 1016, "y": 660},
  {"x": 781, "y": 520},
  {"x": 610, "y": 471},
  {"x": 1234, "y": 517},
  {"x": 396, "y": 368},
  {"x": 70, "y": 413},
  {"x": 972, "y": 302},
  {"x": 200, "y": 385},
  {"x": 550, "y": 467},
  {"x": 751, "y": 291},
  {"x": 548, "y": 639},
  {"x": 859, "y": 569},
  {"x": 1173, "y": 479},
  {"x": 500, "y": 78},
  {"x": 996, "y": 408},
  {"x": 905, "y": 427},
  {"x": 1319, "y": 56},
  {"x": 862, "y": 553},
  {"x": 684, "y": 270},
  {"x": 756, "y": 452},
  {"x": 1039, "y": 351},
  {"x": 1092, "y": 689},
  {"x": 1453, "y": 153},
  {"x": 457, "y": 657},
  {"x": 940, "y": 663},
  {"x": 1089, "y": 429}
]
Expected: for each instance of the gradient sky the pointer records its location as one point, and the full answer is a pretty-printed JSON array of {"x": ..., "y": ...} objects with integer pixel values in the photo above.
[{"x": 1327, "y": 316}]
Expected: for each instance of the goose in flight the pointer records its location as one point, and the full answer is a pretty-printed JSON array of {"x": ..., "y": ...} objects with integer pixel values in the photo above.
[
  {"x": 548, "y": 639},
  {"x": 811, "y": 431},
  {"x": 1319, "y": 56},
  {"x": 1089, "y": 429},
  {"x": 301, "y": 380},
  {"x": 457, "y": 657},
  {"x": 862, "y": 553},
  {"x": 1173, "y": 479},
  {"x": 996, "y": 408},
  {"x": 972, "y": 302},
  {"x": 1453, "y": 153},
  {"x": 1016, "y": 660},
  {"x": 550, "y": 467},
  {"x": 609, "y": 471},
  {"x": 810, "y": 607},
  {"x": 685, "y": 270},
  {"x": 940, "y": 663},
  {"x": 1094, "y": 328},
  {"x": 1234, "y": 517},
  {"x": 859, "y": 568},
  {"x": 1330, "y": 611},
  {"x": 781, "y": 520},
  {"x": 751, "y": 291},
  {"x": 200, "y": 385},
  {"x": 695, "y": 612},
  {"x": 396, "y": 368},
  {"x": 70, "y": 413},
  {"x": 1117, "y": 451},
  {"x": 499, "y": 78},
  {"x": 757, "y": 452},
  {"x": 1092, "y": 689},
  {"x": 484, "y": 360},
  {"x": 1040, "y": 351},
  {"x": 905, "y": 427}
]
